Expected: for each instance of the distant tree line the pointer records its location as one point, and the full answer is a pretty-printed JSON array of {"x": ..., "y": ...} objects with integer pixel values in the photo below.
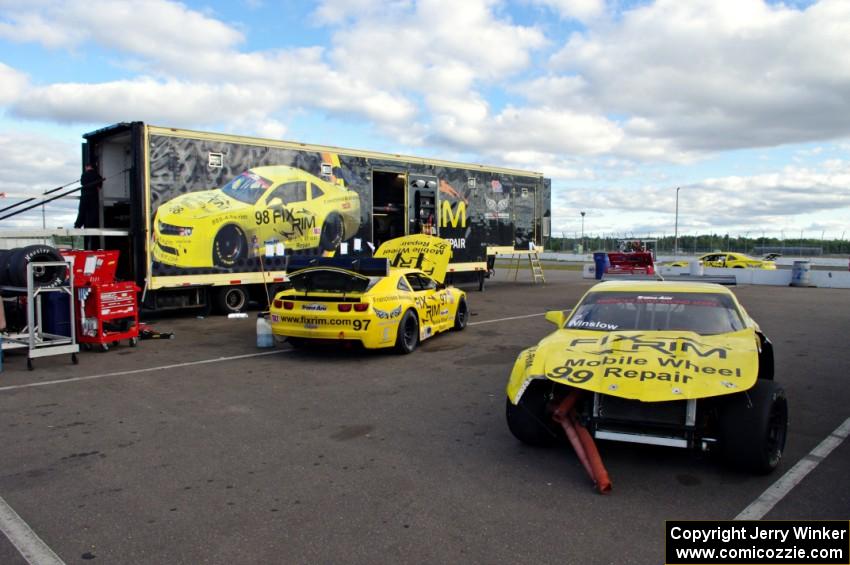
[{"x": 696, "y": 244}]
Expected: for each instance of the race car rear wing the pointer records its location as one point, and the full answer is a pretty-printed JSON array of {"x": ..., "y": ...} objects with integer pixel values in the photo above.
[{"x": 366, "y": 266}]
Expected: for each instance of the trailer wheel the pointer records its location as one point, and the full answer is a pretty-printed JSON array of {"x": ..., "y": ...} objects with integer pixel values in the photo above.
[
  {"x": 231, "y": 299},
  {"x": 229, "y": 246},
  {"x": 331, "y": 233},
  {"x": 752, "y": 426},
  {"x": 462, "y": 315},
  {"x": 529, "y": 421},
  {"x": 408, "y": 333}
]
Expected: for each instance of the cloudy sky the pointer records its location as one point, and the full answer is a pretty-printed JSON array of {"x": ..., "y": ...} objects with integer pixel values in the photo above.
[{"x": 744, "y": 104}]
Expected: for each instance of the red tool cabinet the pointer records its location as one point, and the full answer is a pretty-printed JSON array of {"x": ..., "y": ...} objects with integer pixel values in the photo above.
[{"x": 106, "y": 311}]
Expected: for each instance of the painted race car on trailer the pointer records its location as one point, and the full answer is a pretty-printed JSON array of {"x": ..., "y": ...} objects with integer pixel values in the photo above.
[
  {"x": 676, "y": 364},
  {"x": 730, "y": 260},
  {"x": 380, "y": 302},
  {"x": 264, "y": 204}
]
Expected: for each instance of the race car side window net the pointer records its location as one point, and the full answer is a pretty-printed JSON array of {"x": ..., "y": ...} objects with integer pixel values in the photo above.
[{"x": 402, "y": 285}]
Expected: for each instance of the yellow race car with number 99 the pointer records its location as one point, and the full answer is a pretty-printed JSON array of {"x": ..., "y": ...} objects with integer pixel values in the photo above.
[
  {"x": 395, "y": 299},
  {"x": 659, "y": 363}
]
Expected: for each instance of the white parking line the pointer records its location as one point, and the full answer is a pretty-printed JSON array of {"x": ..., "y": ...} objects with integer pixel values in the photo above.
[
  {"x": 511, "y": 318},
  {"x": 30, "y": 546},
  {"x": 777, "y": 491},
  {"x": 202, "y": 362},
  {"x": 147, "y": 370}
]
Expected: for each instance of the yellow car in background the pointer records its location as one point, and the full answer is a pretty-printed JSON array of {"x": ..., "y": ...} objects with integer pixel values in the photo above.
[
  {"x": 280, "y": 204},
  {"x": 395, "y": 299},
  {"x": 730, "y": 260}
]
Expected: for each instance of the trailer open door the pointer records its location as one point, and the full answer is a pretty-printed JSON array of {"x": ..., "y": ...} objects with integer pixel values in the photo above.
[
  {"x": 422, "y": 205},
  {"x": 402, "y": 204}
]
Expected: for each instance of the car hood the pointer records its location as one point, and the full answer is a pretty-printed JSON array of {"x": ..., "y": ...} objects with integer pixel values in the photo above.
[
  {"x": 427, "y": 253},
  {"x": 197, "y": 206},
  {"x": 647, "y": 366}
]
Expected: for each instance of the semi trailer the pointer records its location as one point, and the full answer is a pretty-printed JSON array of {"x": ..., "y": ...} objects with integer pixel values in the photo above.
[{"x": 212, "y": 218}]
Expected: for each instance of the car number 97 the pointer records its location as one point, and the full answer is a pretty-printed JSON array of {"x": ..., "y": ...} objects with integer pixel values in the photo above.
[{"x": 360, "y": 325}]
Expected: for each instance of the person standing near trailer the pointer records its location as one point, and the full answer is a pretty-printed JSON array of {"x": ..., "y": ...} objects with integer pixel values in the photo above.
[{"x": 88, "y": 214}]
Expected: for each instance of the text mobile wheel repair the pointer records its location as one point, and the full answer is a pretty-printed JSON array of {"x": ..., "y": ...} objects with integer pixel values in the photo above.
[
  {"x": 673, "y": 364},
  {"x": 395, "y": 299}
]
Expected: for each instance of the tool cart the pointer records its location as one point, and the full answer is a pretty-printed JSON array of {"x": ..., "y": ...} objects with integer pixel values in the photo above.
[{"x": 107, "y": 311}]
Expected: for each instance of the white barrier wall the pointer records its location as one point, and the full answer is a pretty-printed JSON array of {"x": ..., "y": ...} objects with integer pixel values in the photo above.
[
  {"x": 839, "y": 264},
  {"x": 779, "y": 277}
]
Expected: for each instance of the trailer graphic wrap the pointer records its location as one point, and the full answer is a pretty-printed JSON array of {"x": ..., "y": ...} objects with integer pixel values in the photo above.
[
  {"x": 224, "y": 214},
  {"x": 201, "y": 207}
]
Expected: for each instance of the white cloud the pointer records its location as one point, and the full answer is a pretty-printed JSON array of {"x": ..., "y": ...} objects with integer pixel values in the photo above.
[
  {"x": 271, "y": 129},
  {"x": 31, "y": 164},
  {"x": 337, "y": 11},
  {"x": 731, "y": 202},
  {"x": 709, "y": 75},
  {"x": 460, "y": 42},
  {"x": 14, "y": 83},
  {"x": 171, "y": 102},
  {"x": 154, "y": 28},
  {"x": 660, "y": 82},
  {"x": 542, "y": 130},
  {"x": 575, "y": 9},
  {"x": 194, "y": 75}
]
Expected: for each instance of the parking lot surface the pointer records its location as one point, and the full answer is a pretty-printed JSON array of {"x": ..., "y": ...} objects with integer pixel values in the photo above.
[{"x": 203, "y": 449}]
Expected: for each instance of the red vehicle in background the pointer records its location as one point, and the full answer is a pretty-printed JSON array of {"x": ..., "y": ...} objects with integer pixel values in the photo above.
[{"x": 635, "y": 257}]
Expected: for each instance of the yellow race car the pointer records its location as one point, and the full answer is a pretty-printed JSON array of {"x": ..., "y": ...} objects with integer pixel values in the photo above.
[
  {"x": 264, "y": 204},
  {"x": 395, "y": 299},
  {"x": 730, "y": 260},
  {"x": 659, "y": 363}
]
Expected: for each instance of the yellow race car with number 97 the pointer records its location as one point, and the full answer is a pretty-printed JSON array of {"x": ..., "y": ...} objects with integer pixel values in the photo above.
[
  {"x": 218, "y": 228},
  {"x": 659, "y": 363},
  {"x": 395, "y": 299}
]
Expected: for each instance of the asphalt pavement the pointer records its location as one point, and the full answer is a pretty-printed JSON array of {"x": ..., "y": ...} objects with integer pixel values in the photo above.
[{"x": 199, "y": 450}]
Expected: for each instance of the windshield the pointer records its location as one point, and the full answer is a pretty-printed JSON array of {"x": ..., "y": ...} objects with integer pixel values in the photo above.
[
  {"x": 247, "y": 187},
  {"x": 702, "y": 313},
  {"x": 322, "y": 280}
]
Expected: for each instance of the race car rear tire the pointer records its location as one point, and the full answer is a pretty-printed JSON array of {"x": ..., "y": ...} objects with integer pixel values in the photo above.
[
  {"x": 331, "y": 233},
  {"x": 461, "y": 316},
  {"x": 229, "y": 246},
  {"x": 408, "y": 333},
  {"x": 530, "y": 420},
  {"x": 297, "y": 342},
  {"x": 231, "y": 299},
  {"x": 753, "y": 426}
]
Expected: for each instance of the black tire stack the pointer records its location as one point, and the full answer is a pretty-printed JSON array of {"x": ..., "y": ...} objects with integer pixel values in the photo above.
[{"x": 13, "y": 266}]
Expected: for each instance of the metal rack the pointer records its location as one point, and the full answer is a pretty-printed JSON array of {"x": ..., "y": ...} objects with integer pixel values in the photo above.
[{"x": 33, "y": 338}]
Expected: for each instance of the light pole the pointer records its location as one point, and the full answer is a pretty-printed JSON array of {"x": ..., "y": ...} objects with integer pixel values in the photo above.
[
  {"x": 676, "y": 228},
  {"x": 583, "y": 245}
]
